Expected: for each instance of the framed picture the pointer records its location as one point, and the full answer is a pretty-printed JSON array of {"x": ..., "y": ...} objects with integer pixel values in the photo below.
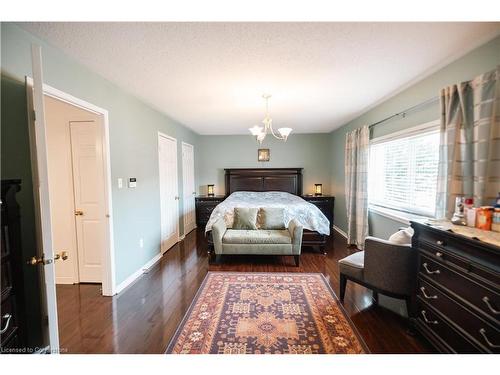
[{"x": 263, "y": 154}]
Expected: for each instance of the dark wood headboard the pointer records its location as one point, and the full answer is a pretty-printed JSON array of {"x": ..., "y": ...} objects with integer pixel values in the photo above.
[{"x": 264, "y": 179}]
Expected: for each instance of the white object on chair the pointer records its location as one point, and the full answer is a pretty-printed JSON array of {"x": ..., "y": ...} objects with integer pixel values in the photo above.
[{"x": 402, "y": 237}]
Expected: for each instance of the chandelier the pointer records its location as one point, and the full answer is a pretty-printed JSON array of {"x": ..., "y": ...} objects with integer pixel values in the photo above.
[{"x": 260, "y": 132}]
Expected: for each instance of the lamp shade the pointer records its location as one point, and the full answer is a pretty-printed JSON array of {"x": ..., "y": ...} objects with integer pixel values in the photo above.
[
  {"x": 256, "y": 130},
  {"x": 285, "y": 132},
  {"x": 318, "y": 189},
  {"x": 210, "y": 190}
]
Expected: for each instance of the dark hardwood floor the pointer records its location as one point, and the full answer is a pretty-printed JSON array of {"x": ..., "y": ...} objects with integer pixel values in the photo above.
[{"x": 143, "y": 317}]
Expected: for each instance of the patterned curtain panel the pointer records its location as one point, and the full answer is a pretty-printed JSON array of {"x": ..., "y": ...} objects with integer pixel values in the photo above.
[
  {"x": 356, "y": 181},
  {"x": 469, "y": 160}
]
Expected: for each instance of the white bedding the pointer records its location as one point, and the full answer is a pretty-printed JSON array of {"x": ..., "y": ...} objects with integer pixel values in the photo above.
[{"x": 307, "y": 214}]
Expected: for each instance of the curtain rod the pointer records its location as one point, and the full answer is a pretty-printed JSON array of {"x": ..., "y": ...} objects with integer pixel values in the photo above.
[{"x": 403, "y": 113}]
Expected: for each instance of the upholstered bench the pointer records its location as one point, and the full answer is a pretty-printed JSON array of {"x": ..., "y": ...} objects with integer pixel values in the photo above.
[{"x": 258, "y": 241}]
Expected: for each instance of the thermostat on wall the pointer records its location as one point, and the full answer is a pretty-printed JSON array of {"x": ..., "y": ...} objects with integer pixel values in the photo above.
[{"x": 132, "y": 182}]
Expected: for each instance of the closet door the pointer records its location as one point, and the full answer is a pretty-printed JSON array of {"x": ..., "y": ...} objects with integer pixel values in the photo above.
[
  {"x": 169, "y": 193},
  {"x": 88, "y": 183},
  {"x": 188, "y": 187}
]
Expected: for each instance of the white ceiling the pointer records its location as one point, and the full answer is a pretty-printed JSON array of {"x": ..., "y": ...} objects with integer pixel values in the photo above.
[{"x": 210, "y": 76}]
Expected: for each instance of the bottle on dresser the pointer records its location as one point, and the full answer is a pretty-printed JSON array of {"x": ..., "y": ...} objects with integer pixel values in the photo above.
[
  {"x": 470, "y": 212},
  {"x": 495, "y": 225}
]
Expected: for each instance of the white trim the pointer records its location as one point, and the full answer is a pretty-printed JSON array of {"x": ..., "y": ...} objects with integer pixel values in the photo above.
[
  {"x": 399, "y": 216},
  {"x": 68, "y": 280},
  {"x": 137, "y": 274},
  {"x": 108, "y": 277},
  {"x": 340, "y": 231},
  {"x": 414, "y": 130}
]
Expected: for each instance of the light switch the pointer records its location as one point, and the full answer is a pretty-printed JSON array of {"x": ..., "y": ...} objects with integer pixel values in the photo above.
[
  {"x": 120, "y": 183},
  {"x": 132, "y": 182}
]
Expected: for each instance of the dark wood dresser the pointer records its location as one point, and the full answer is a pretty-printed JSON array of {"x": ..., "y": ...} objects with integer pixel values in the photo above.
[
  {"x": 324, "y": 202},
  {"x": 12, "y": 308},
  {"x": 204, "y": 206},
  {"x": 458, "y": 291}
]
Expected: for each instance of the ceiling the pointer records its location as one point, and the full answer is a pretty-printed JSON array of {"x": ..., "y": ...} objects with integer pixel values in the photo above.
[{"x": 211, "y": 76}]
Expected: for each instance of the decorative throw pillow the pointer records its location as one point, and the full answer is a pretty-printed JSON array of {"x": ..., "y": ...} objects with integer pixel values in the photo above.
[
  {"x": 402, "y": 237},
  {"x": 272, "y": 218},
  {"x": 245, "y": 218}
]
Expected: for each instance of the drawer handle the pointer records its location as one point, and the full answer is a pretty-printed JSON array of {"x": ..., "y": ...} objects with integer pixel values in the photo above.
[
  {"x": 8, "y": 317},
  {"x": 440, "y": 243},
  {"x": 424, "y": 314},
  {"x": 437, "y": 272},
  {"x": 439, "y": 255},
  {"x": 486, "y": 300},
  {"x": 426, "y": 295},
  {"x": 482, "y": 331}
]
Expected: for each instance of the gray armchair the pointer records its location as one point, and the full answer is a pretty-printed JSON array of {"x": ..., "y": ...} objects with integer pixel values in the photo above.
[{"x": 383, "y": 267}]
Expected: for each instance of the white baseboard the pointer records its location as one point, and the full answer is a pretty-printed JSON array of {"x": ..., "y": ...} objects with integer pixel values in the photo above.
[
  {"x": 340, "y": 231},
  {"x": 65, "y": 280},
  {"x": 137, "y": 274}
]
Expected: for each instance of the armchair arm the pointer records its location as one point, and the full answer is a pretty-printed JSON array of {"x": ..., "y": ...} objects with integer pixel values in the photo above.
[
  {"x": 218, "y": 231},
  {"x": 296, "y": 231},
  {"x": 389, "y": 266}
]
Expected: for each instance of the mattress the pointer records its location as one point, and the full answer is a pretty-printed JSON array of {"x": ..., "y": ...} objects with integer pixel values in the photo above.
[{"x": 307, "y": 214}]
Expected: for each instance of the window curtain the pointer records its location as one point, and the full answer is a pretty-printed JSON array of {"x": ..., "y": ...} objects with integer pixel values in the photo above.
[
  {"x": 469, "y": 153},
  {"x": 356, "y": 182}
]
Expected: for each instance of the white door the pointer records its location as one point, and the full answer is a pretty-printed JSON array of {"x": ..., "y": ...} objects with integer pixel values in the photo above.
[
  {"x": 39, "y": 162},
  {"x": 169, "y": 191},
  {"x": 188, "y": 187},
  {"x": 88, "y": 183}
]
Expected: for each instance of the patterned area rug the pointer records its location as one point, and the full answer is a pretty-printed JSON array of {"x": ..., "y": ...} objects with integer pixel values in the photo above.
[{"x": 256, "y": 313}]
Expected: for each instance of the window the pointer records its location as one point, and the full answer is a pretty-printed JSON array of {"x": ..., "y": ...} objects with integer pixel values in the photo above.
[{"x": 403, "y": 170}]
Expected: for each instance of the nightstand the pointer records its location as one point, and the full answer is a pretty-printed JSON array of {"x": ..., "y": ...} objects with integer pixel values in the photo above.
[
  {"x": 324, "y": 202},
  {"x": 204, "y": 206}
]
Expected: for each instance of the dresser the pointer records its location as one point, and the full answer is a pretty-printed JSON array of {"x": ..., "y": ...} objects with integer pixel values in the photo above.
[
  {"x": 458, "y": 290},
  {"x": 324, "y": 202},
  {"x": 12, "y": 309},
  {"x": 204, "y": 206}
]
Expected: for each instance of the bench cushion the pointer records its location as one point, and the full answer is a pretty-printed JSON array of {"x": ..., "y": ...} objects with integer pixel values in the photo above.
[{"x": 239, "y": 236}]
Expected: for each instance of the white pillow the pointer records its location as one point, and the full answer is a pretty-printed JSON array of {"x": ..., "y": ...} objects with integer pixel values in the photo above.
[{"x": 402, "y": 237}]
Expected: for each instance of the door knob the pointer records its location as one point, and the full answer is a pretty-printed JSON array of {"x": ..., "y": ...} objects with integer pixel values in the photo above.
[
  {"x": 33, "y": 261},
  {"x": 78, "y": 213},
  {"x": 176, "y": 198},
  {"x": 63, "y": 255}
]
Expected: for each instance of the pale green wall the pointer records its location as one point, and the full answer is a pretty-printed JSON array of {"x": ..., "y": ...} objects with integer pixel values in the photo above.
[
  {"x": 481, "y": 60},
  {"x": 133, "y": 142},
  {"x": 308, "y": 151}
]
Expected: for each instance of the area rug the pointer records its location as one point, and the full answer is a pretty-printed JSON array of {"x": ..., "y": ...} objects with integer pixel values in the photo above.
[{"x": 265, "y": 313}]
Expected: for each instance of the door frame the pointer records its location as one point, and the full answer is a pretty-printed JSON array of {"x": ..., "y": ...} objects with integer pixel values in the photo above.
[
  {"x": 183, "y": 202},
  {"x": 162, "y": 218},
  {"x": 108, "y": 269}
]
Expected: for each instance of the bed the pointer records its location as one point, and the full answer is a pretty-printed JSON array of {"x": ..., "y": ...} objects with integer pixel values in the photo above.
[{"x": 276, "y": 187}]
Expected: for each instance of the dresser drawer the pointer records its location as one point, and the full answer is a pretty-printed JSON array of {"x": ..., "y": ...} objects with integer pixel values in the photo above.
[
  {"x": 8, "y": 309},
  {"x": 440, "y": 332},
  {"x": 481, "y": 298},
  {"x": 483, "y": 334},
  {"x": 466, "y": 255},
  {"x": 206, "y": 209}
]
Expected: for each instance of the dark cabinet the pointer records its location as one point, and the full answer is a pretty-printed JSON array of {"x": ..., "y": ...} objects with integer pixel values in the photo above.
[
  {"x": 204, "y": 207},
  {"x": 324, "y": 202},
  {"x": 12, "y": 319},
  {"x": 458, "y": 291}
]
